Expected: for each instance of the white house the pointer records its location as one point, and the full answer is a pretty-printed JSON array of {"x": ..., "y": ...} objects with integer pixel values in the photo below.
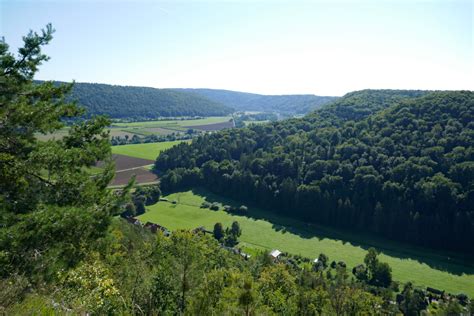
[{"x": 275, "y": 253}]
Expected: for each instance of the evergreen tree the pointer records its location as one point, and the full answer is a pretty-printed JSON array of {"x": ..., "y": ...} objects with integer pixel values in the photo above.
[
  {"x": 50, "y": 206},
  {"x": 235, "y": 229},
  {"x": 218, "y": 231}
]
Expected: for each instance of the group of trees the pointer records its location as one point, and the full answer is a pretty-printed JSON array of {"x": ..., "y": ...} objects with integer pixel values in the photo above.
[
  {"x": 229, "y": 236},
  {"x": 135, "y": 139},
  {"x": 126, "y": 102},
  {"x": 140, "y": 197},
  {"x": 396, "y": 163},
  {"x": 132, "y": 271},
  {"x": 373, "y": 272},
  {"x": 243, "y": 118}
]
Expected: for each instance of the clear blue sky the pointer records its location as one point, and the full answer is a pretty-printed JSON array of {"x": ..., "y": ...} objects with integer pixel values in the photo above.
[{"x": 271, "y": 47}]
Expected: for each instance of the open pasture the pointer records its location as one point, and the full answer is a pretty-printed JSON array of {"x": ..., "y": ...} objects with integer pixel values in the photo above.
[
  {"x": 263, "y": 230},
  {"x": 159, "y": 127},
  {"x": 174, "y": 122},
  {"x": 136, "y": 160},
  {"x": 165, "y": 127},
  {"x": 147, "y": 151},
  {"x": 213, "y": 127}
]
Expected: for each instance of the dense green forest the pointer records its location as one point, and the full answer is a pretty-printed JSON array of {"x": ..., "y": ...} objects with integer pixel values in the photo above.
[
  {"x": 125, "y": 102},
  {"x": 396, "y": 163},
  {"x": 242, "y": 101}
]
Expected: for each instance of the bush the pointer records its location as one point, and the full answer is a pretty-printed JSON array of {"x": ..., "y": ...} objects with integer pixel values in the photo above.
[
  {"x": 205, "y": 204},
  {"x": 12, "y": 290},
  {"x": 214, "y": 206}
]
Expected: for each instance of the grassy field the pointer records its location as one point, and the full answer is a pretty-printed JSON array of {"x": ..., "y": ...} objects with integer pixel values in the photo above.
[
  {"x": 164, "y": 127},
  {"x": 145, "y": 151},
  {"x": 262, "y": 230},
  {"x": 167, "y": 123},
  {"x": 144, "y": 128}
]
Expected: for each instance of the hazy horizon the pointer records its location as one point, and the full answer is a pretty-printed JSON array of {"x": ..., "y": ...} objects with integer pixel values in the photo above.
[{"x": 272, "y": 48}]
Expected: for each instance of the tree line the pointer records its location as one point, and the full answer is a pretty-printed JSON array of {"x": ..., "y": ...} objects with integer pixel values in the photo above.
[{"x": 396, "y": 163}]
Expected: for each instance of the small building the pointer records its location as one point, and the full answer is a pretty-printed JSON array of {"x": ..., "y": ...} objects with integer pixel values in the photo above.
[
  {"x": 155, "y": 227},
  {"x": 152, "y": 226},
  {"x": 316, "y": 260},
  {"x": 133, "y": 220},
  {"x": 275, "y": 253},
  {"x": 244, "y": 255}
]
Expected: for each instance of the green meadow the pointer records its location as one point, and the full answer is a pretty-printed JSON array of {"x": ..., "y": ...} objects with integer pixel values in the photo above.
[
  {"x": 262, "y": 230},
  {"x": 179, "y": 123},
  {"x": 146, "y": 151},
  {"x": 144, "y": 128}
]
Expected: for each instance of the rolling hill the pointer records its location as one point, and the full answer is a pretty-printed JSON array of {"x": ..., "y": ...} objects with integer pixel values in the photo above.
[
  {"x": 242, "y": 101},
  {"x": 143, "y": 102}
]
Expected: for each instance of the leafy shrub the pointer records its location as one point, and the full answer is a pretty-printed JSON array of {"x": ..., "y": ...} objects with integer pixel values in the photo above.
[
  {"x": 12, "y": 290},
  {"x": 205, "y": 205}
]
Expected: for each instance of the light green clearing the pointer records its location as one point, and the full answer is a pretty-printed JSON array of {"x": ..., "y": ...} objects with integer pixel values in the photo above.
[
  {"x": 177, "y": 123},
  {"x": 146, "y": 151},
  {"x": 144, "y": 128},
  {"x": 408, "y": 263}
]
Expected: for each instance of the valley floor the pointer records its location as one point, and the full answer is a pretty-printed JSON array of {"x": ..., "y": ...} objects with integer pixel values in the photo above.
[{"x": 262, "y": 230}]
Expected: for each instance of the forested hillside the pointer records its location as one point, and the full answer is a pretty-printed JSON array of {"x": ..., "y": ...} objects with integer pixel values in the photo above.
[
  {"x": 142, "y": 102},
  {"x": 242, "y": 101},
  {"x": 396, "y": 163}
]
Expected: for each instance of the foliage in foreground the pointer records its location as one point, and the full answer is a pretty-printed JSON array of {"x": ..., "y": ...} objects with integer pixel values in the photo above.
[
  {"x": 51, "y": 209},
  {"x": 132, "y": 271}
]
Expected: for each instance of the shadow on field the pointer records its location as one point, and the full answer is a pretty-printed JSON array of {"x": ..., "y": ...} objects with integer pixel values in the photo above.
[{"x": 453, "y": 263}]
